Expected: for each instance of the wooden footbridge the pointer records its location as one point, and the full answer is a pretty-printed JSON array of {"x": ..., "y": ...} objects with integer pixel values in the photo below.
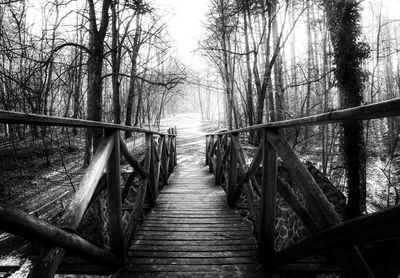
[{"x": 182, "y": 223}]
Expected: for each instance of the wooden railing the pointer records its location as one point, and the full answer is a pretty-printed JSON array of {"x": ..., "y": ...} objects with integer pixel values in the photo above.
[
  {"x": 103, "y": 173},
  {"x": 226, "y": 160}
]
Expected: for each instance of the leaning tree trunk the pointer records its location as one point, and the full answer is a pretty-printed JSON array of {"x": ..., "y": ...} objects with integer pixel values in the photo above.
[{"x": 344, "y": 26}]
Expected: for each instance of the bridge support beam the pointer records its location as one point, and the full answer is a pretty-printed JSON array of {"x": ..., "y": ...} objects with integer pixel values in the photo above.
[
  {"x": 267, "y": 223},
  {"x": 114, "y": 206}
]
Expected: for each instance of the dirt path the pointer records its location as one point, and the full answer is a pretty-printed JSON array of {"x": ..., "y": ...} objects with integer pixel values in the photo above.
[{"x": 191, "y": 137}]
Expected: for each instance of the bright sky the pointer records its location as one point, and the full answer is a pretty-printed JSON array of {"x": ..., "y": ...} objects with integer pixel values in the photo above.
[
  {"x": 185, "y": 24},
  {"x": 185, "y": 19}
]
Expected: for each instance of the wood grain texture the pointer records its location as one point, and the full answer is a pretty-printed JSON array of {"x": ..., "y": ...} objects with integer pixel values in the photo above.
[
  {"x": 381, "y": 109},
  {"x": 11, "y": 117},
  {"x": 192, "y": 230},
  {"x": 47, "y": 264}
]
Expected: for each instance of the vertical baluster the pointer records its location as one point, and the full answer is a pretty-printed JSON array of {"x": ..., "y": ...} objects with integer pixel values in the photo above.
[
  {"x": 114, "y": 206},
  {"x": 164, "y": 159},
  {"x": 219, "y": 160},
  {"x": 210, "y": 153},
  {"x": 232, "y": 184},
  {"x": 149, "y": 167},
  {"x": 171, "y": 152},
  {"x": 269, "y": 177},
  {"x": 156, "y": 165},
  {"x": 175, "y": 153},
  {"x": 207, "y": 146}
]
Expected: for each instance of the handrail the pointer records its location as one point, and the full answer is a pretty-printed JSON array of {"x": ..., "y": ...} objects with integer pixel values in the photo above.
[
  {"x": 388, "y": 108},
  {"x": 10, "y": 117},
  {"x": 22, "y": 224},
  {"x": 226, "y": 160},
  {"x": 367, "y": 228},
  {"x": 159, "y": 162}
]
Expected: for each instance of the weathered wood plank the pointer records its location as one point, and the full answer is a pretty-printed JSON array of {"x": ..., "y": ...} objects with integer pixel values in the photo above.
[
  {"x": 175, "y": 149},
  {"x": 131, "y": 160},
  {"x": 210, "y": 153},
  {"x": 227, "y": 273},
  {"x": 288, "y": 194},
  {"x": 193, "y": 221},
  {"x": 156, "y": 165},
  {"x": 375, "y": 226},
  {"x": 185, "y": 216},
  {"x": 250, "y": 193},
  {"x": 114, "y": 201},
  {"x": 218, "y": 174},
  {"x": 149, "y": 168},
  {"x": 193, "y": 254},
  {"x": 349, "y": 258},
  {"x": 365, "y": 112},
  {"x": 17, "y": 222},
  {"x": 191, "y": 225},
  {"x": 47, "y": 264},
  {"x": 207, "y": 148},
  {"x": 164, "y": 160},
  {"x": 255, "y": 163},
  {"x": 267, "y": 223},
  {"x": 36, "y": 119},
  {"x": 193, "y": 261},
  {"x": 232, "y": 183},
  {"x": 200, "y": 236},
  {"x": 155, "y": 225},
  {"x": 191, "y": 268},
  {"x": 195, "y": 248}
]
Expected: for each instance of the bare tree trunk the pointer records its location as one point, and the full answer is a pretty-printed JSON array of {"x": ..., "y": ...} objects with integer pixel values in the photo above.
[
  {"x": 95, "y": 67},
  {"x": 325, "y": 87},
  {"x": 278, "y": 69},
  {"x": 115, "y": 64},
  {"x": 310, "y": 65},
  {"x": 139, "y": 106},
  {"x": 249, "y": 89},
  {"x": 133, "y": 81}
]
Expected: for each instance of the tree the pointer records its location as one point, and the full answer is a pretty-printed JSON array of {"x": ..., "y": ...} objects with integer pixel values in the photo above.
[
  {"x": 217, "y": 47},
  {"x": 95, "y": 67},
  {"x": 345, "y": 30}
]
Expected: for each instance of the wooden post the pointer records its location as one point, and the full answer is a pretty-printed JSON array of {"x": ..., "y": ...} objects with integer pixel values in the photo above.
[
  {"x": 210, "y": 150},
  {"x": 207, "y": 146},
  {"x": 114, "y": 206},
  {"x": 218, "y": 174},
  {"x": 233, "y": 171},
  {"x": 171, "y": 153},
  {"x": 149, "y": 167},
  {"x": 164, "y": 159},
  {"x": 167, "y": 151},
  {"x": 157, "y": 163},
  {"x": 175, "y": 152},
  {"x": 267, "y": 223}
]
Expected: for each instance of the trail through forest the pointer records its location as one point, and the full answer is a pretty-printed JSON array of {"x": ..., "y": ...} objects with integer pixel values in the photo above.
[
  {"x": 48, "y": 189},
  {"x": 191, "y": 137}
]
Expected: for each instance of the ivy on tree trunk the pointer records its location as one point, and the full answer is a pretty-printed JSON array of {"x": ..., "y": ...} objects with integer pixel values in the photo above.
[{"x": 345, "y": 30}]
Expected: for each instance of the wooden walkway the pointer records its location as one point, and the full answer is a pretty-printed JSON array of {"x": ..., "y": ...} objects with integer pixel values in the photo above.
[{"x": 192, "y": 233}]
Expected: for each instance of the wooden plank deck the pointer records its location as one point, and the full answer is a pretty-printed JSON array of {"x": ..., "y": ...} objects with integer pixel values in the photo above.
[{"x": 192, "y": 233}]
